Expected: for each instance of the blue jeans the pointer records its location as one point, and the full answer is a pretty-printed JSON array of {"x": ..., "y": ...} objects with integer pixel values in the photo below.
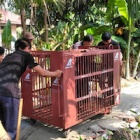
[{"x": 9, "y": 114}]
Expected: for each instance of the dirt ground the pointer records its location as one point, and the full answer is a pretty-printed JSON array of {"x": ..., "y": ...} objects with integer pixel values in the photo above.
[
  {"x": 129, "y": 97},
  {"x": 125, "y": 83}
]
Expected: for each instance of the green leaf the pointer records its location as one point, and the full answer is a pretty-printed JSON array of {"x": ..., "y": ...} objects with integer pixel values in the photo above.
[
  {"x": 117, "y": 5},
  {"x": 133, "y": 111},
  {"x": 80, "y": 138},
  {"x": 6, "y": 35},
  {"x": 122, "y": 8},
  {"x": 137, "y": 33},
  {"x": 119, "y": 40}
]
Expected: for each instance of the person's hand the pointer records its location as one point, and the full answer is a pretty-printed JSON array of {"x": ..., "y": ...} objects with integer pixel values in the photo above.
[{"x": 58, "y": 73}]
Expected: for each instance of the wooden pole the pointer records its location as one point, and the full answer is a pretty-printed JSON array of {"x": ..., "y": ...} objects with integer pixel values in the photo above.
[{"x": 19, "y": 118}]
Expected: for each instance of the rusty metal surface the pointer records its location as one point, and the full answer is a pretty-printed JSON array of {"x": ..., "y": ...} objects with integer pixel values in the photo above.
[{"x": 90, "y": 85}]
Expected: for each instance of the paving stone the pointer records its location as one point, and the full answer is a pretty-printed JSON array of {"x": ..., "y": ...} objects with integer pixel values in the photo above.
[
  {"x": 96, "y": 129},
  {"x": 74, "y": 137},
  {"x": 131, "y": 113},
  {"x": 88, "y": 134},
  {"x": 136, "y": 110},
  {"x": 133, "y": 124},
  {"x": 129, "y": 119},
  {"x": 73, "y": 133},
  {"x": 125, "y": 117},
  {"x": 112, "y": 124}
]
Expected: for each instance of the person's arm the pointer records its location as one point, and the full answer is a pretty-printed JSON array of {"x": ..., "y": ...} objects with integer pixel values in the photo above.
[
  {"x": 44, "y": 72},
  {"x": 33, "y": 65}
]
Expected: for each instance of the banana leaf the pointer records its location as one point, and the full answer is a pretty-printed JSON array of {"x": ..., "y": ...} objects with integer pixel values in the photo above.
[
  {"x": 7, "y": 36},
  {"x": 120, "y": 6}
]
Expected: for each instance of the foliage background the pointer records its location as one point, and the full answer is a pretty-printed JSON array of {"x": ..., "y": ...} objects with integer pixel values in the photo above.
[{"x": 57, "y": 24}]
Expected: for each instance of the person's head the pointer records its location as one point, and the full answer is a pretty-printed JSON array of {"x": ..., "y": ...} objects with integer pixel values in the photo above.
[
  {"x": 87, "y": 40},
  {"x": 1, "y": 53},
  {"x": 29, "y": 36},
  {"x": 106, "y": 37},
  {"x": 23, "y": 44}
]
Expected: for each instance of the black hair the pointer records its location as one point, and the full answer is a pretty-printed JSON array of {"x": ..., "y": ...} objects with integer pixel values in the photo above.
[
  {"x": 88, "y": 38},
  {"x": 22, "y": 44},
  {"x": 106, "y": 36},
  {"x": 1, "y": 50}
]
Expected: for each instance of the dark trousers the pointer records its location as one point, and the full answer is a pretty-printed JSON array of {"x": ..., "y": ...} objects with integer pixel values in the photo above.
[{"x": 9, "y": 114}]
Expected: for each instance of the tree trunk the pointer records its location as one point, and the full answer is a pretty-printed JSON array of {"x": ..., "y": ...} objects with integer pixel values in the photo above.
[
  {"x": 45, "y": 21},
  {"x": 31, "y": 16},
  {"x": 127, "y": 76},
  {"x": 136, "y": 65},
  {"x": 23, "y": 20}
]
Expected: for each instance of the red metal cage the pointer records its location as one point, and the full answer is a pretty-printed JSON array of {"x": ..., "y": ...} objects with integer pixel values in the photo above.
[{"x": 90, "y": 85}]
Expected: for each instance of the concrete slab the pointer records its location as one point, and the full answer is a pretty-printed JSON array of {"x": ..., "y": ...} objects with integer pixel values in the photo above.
[{"x": 112, "y": 124}]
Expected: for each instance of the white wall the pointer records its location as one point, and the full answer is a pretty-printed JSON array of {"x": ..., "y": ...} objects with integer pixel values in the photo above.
[{"x": 14, "y": 34}]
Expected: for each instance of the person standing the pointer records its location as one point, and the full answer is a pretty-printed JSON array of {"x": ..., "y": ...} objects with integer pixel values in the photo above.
[
  {"x": 87, "y": 41},
  {"x": 1, "y": 54},
  {"x": 30, "y": 37},
  {"x": 11, "y": 69},
  {"x": 107, "y": 41},
  {"x": 82, "y": 88}
]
